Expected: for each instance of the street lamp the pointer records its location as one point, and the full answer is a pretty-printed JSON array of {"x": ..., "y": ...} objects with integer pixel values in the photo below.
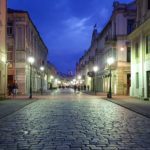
[
  {"x": 42, "y": 69},
  {"x": 110, "y": 61},
  {"x": 95, "y": 69},
  {"x": 31, "y": 61},
  {"x": 79, "y": 78}
]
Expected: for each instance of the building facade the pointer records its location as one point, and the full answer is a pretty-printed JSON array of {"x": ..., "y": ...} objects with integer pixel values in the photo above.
[
  {"x": 52, "y": 75},
  {"x": 24, "y": 40},
  {"x": 110, "y": 42},
  {"x": 3, "y": 51},
  {"x": 140, "y": 56}
]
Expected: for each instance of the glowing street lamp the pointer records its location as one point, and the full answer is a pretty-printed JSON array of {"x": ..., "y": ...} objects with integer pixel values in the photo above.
[
  {"x": 79, "y": 80},
  {"x": 95, "y": 69},
  {"x": 31, "y": 61},
  {"x": 122, "y": 49},
  {"x": 79, "y": 77},
  {"x": 42, "y": 69},
  {"x": 110, "y": 61}
]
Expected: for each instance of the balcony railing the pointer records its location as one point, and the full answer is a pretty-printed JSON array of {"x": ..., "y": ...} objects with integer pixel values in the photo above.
[{"x": 110, "y": 39}]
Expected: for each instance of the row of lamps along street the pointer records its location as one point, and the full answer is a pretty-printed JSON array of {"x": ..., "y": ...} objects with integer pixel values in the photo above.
[
  {"x": 110, "y": 61},
  {"x": 31, "y": 61}
]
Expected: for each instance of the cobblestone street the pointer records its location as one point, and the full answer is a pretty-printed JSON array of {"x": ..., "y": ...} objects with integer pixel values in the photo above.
[{"x": 69, "y": 121}]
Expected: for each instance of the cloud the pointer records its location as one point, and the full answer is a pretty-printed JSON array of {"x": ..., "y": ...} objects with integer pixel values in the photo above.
[
  {"x": 66, "y": 25},
  {"x": 104, "y": 13},
  {"x": 76, "y": 23}
]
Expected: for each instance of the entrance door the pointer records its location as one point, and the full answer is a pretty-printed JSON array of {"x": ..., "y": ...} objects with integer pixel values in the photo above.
[
  {"x": 10, "y": 79},
  {"x": 128, "y": 83},
  {"x": 148, "y": 83}
]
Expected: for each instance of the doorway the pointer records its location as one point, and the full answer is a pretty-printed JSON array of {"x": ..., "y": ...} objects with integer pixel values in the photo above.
[
  {"x": 148, "y": 83},
  {"x": 10, "y": 79},
  {"x": 128, "y": 83}
]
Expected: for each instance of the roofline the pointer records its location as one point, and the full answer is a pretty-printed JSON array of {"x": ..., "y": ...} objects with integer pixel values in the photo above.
[{"x": 9, "y": 10}]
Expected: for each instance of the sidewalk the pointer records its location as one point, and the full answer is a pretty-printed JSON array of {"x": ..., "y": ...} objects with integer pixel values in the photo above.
[
  {"x": 8, "y": 107},
  {"x": 134, "y": 104}
]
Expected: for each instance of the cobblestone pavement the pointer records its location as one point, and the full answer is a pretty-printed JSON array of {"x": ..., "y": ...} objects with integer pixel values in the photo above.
[
  {"x": 74, "y": 122},
  {"x": 9, "y": 106}
]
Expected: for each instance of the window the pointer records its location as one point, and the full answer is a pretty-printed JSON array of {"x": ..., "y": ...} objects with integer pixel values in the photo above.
[
  {"x": 128, "y": 54},
  {"x": 20, "y": 37},
  {"x": 148, "y": 4},
  {"x": 10, "y": 29},
  {"x": 137, "y": 80},
  {"x": 136, "y": 50},
  {"x": 130, "y": 25},
  {"x": 147, "y": 44},
  {"x": 10, "y": 56}
]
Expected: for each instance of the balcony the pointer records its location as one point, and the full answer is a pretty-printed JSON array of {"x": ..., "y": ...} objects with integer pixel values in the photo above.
[
  {"x": 91, "y": 58},
  {"x": 110, "y": 39}
]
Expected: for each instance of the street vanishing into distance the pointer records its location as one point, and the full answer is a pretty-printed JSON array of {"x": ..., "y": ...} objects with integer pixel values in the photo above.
[{"x": 64, "y": 120}]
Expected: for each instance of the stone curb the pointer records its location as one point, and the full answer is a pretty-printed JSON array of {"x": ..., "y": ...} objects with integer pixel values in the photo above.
[{"x": 131, "y": 109}]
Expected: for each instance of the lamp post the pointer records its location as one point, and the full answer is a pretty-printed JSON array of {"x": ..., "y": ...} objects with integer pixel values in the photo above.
[
  {"x": 31, "y": 61},
  {"x": 95, "y": 69},
  {"x": 42, "y": 69},
  {"x": 79, "y": 78},
  {"x": 110, "y": 61},
  {"x": 51, "y": 79}
]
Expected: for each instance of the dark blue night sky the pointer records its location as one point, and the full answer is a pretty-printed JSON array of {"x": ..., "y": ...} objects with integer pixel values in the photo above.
[{"x": 66, "y": 25}]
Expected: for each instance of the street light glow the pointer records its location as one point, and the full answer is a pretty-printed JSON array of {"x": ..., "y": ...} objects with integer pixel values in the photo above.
[
  {"x": 110, "y": 61},
  {"x": 79, "y": 77},
  {"x": 122, "y": 48},
  {"x": 95, "y": 68},
  {"x": 42, "y": 68},
  {"x": 31, "y": 59},
  {"x": 52, "y": 77}
]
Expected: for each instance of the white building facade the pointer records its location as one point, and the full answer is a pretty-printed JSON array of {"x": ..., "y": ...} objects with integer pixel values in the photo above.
[
  {"x": 111, "y": 42},
  {"x": 140, "y": 45}
]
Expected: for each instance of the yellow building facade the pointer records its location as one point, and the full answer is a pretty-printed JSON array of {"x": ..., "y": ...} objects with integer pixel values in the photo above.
[{"x": 23, "y": 41}]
